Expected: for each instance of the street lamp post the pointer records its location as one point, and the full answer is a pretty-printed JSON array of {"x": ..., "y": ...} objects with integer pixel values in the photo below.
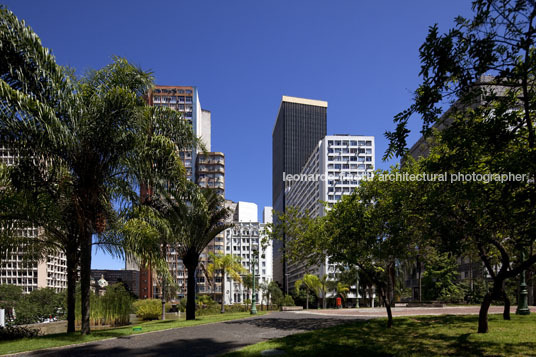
[
  {"x": 522, "y": 305},
  {"x": 253, "y": 300}
]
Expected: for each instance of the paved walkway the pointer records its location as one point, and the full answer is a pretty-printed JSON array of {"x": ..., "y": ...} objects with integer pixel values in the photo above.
[
  {"x": 408, "y": 311},
  {"x": 202, "y": 340},
  {"x": 218, "y": 338}
]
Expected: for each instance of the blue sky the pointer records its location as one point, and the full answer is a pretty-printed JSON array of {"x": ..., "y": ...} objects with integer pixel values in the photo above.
[{"x": 361, "y": 57}]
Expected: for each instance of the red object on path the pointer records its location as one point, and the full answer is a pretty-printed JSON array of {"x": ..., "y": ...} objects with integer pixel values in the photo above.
[{"x": 339, "y": 303}]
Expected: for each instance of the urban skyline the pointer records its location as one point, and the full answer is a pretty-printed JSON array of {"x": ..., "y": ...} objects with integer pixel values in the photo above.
[{"x": 242, "y": 67}]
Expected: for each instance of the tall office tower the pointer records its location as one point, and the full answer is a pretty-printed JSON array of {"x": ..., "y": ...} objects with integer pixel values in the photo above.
[
  {"x": 50, "y": 272},
  {"x": 210, "y": 171},
  {"x": 242, "y": 241},
  {"x": 300, "y": 124},
  {"x": 207, "y": 169},
  {"x": 185, "y": 100},
  {"x": 334, "y": 169}
]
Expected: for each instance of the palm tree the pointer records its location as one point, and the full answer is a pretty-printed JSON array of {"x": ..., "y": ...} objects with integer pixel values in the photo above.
[
  {"x": 192, "y": 216},
  {"x": 227, "y": 265},
  {"x": 311, "y": 283},
  {"x": 45, "y": 206},
  {"x": 91, "y": 128},
  {"x": 87, "y": 125},
  {"x": 320, "y": 286}
]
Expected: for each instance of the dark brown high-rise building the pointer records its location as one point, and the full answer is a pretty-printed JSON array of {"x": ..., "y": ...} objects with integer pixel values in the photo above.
[{"x": 300, "y": 125}]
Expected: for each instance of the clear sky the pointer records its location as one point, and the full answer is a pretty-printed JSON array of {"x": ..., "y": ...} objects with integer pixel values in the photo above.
[{"x": 360, "y": 56}]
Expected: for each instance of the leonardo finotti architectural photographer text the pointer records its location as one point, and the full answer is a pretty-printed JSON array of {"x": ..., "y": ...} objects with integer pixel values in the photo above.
[{"x": 405, "y": 176}]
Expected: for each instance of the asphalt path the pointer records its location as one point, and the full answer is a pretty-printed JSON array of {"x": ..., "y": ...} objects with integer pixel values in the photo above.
[
  {"x": 217, "y": 338},
  {"x": 202, "y": 340}
]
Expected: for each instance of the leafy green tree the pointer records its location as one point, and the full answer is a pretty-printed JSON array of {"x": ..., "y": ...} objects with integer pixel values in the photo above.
[
  {"x": 247, "y": 281},
  {"x": 440, "y": 278},
  {"x": 274, "y": 294},
  {"x": 373, "y": 229},
  {"x": 304, "y": 236},
  {"x": 311, "y": 283},
  {"x": 228, "y": 266},
  {"x": 488, "y": 129},
  {"x": 10, "y": 295}
]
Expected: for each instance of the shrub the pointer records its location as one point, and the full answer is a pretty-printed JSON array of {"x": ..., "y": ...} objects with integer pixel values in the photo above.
[
  {"x": 16, "y": 332},
  {"x": 148, "y": 309},
  {"x": 287, "y": 301},
  {"x": 113, "y": 308},
  {"x": 115, "y": 305}
]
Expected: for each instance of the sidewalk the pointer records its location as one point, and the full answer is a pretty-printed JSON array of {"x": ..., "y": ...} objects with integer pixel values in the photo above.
[
  {"x": 408, "y": 311},
  {"x": 202, "y": 340}
]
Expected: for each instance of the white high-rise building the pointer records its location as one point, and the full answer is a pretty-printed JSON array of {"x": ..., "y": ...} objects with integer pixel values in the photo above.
[
  {"x": 333, "y": 169},
  {"x": 50, "y": 272},
  {"x": 247, "y": 236}
]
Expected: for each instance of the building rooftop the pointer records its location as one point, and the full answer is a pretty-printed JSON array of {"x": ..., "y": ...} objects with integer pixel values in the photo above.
[{"x": 318, "y": 103}]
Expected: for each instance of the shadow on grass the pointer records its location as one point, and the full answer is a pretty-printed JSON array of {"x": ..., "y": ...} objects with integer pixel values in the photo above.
[
  {"x": 305, "y": 324},
  {"x": 419, "y": 336}
]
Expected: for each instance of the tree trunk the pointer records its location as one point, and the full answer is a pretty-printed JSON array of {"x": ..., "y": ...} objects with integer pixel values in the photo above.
[
  {"x": 388, "y": 308},
  {"x": 85, "y": 280},
  {"x": 483, "y": 314},
  {"x": 71, "y": 290},
  {"x": 222, "y": 310},
  {"x": 164, "y": 253},
  {"x": 163, "y": 298},
  {"x": 307, "y": 300},
  {"x": 191, "y": 261},
  {"x": 419, "y": 269},
  {"x": 506, "y": 312}
]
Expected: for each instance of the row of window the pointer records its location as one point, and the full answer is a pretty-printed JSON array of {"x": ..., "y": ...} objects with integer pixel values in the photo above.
[
  {"x": 352, "y": 158},
  {"x": 350, "y": 142},
  {"x": 350, "y": 151},
  {"x": 173, "y": 91},
  {"x": 173, "y": 99}
]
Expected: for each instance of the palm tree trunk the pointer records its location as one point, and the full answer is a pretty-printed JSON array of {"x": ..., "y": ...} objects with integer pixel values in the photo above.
[
  {"x": 222, "y": 310},
  {"x": 190, "y": 261},
  {"x": 164, "y": 252},
  {"x": 71, "y": 289},
  {"x": 85, "y": 280}
]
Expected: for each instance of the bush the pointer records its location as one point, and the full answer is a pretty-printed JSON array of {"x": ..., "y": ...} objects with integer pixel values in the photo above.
[
  {"x": 113, "y": 308},
  {"x": 16, "y": 332},
  {"x": 287, "y": 301},
  {"x": 148, "y": 309},
  {"x": 115, "y": 305},
  {"x": 39, "y": 305}
]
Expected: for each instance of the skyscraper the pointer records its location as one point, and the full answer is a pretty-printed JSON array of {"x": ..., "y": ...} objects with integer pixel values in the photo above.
[
  {"x": 207, "y": 169},
  {"x": 49, "y": 272},
  {"x": 334, "y": 169},
  {"x": 301, "y": 123}
]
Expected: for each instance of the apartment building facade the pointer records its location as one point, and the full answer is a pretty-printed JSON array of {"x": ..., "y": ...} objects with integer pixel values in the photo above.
[
  {"x": 248, "y": 241},
  {"x": 206, "y": 168},
  {"x": 334, "y": 169},
  {"x": 50, "y": 272}
]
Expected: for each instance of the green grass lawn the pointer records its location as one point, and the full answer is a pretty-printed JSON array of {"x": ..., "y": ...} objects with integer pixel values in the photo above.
[
  {"x": 63, "y": 339},
  {"x": 411, "y": 336}
]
